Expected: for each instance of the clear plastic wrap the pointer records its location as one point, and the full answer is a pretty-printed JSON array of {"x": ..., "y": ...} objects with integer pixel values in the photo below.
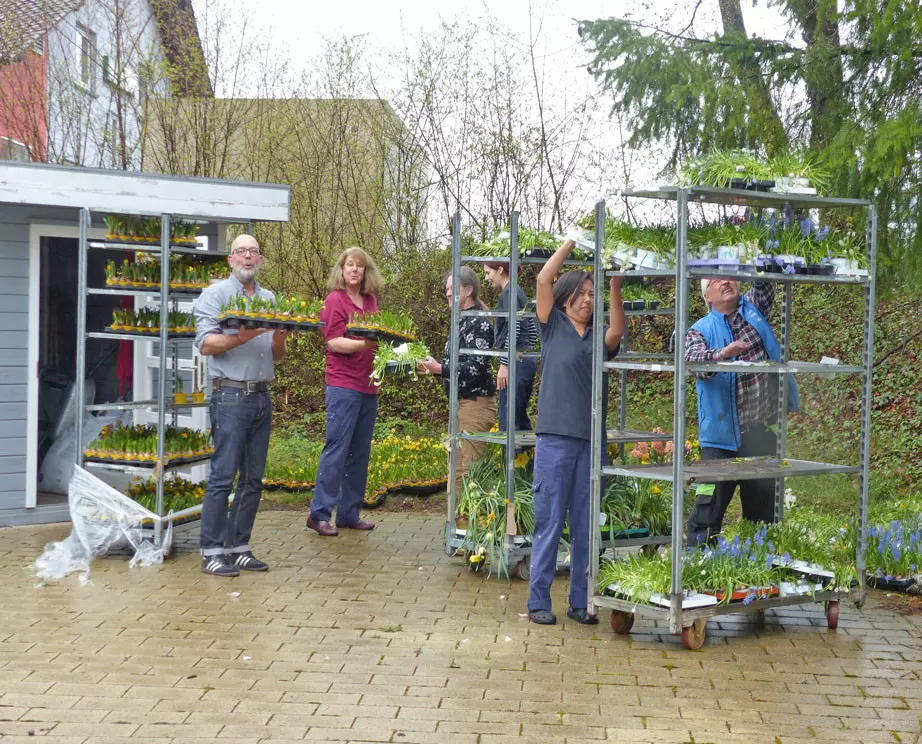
[{"x": 102, "y": 520}]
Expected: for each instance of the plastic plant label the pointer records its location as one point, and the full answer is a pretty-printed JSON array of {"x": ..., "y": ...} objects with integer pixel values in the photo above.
[
  {"x": 829, "y": 360},
  {"x": 705, "y": 489}
]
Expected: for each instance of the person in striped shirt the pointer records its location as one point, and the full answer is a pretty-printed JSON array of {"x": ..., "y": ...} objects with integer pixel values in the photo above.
[{"x": 526, "y": 339}]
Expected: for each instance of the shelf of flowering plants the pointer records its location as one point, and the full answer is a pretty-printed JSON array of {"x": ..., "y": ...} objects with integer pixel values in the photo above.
[
  {"x": 738, "y": 468},
  {"x": 814, "y": 368},
  {"x": 135, "y": 447},
  {"x": 524, "y": 260}
]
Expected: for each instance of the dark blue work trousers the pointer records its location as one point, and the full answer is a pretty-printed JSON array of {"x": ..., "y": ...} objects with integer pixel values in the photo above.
[
  {"x": 561, "y": 488},
  {"x": 343, "y": 469},
  {"x": 240, "y": 426}
]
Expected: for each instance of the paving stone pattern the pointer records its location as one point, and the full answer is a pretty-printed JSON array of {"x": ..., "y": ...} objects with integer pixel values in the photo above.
[{"x": 381, "y": 637}]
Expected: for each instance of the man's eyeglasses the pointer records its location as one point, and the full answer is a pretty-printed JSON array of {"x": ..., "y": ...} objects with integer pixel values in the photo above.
[{"x": 246, "y": 251}]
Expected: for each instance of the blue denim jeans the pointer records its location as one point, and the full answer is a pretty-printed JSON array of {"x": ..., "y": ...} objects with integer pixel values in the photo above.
[
  {"x": 343, "y": 469},
  {"x": 525, "y": 370},
  {"x": 240, "y": 427},
  {"x": 561, "y": 487}
]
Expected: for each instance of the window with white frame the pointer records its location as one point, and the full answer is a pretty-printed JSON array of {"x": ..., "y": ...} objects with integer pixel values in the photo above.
[{"x": 86, "y": 58}]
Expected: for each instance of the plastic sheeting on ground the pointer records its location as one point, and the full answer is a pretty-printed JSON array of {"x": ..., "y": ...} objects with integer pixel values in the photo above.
[{"x": 102, "y": 520}]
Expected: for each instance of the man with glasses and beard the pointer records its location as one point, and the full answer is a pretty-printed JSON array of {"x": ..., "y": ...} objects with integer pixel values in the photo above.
[
  {"x": 242, "y": 362},
  {"x": 737, "y": 413}
]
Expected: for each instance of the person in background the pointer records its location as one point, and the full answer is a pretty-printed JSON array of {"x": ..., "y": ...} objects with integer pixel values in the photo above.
[
  {"x": 564, "y": 429},
  {"x": 497, "y": 274},
  {"x": 476, "y": 389},
  {"x": 351, "y": 397},
  {"x": 242, "y": 362},
  {"x": 736, "y": 412}
]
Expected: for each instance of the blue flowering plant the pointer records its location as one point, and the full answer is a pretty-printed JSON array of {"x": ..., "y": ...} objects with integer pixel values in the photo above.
[{"x": 894, "y": 552}]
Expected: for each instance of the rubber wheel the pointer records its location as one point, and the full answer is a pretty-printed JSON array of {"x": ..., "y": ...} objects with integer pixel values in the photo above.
[
  {"x": 693, "y": 636},
  {"x": 832, "y": 614},
  {"x": 622, "y": 622},
  {"x": 523, "y": 569}
]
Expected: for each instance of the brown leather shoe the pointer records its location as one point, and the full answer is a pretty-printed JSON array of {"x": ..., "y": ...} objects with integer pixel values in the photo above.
[
  {"x": 360, "y": 525},
  {"x": 322, "y": 528}
]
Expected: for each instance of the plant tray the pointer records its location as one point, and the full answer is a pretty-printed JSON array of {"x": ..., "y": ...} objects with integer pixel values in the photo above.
[
  {"x": 150, "y": 332},
  {"x": 420, "y": 489},
  {"x": 236, "y": 321},
  {"x": 179, "y": 460},
  {"x": 396, "y": 367},
  {"x": 893, "y": 583},
  {"x": 806, "y": 569},
  {"x": 538, "y": 253},
  {"x": 690, "y": 600},
  {"x": 790, "y": 589},
  {"x": 376, "y": 334}
]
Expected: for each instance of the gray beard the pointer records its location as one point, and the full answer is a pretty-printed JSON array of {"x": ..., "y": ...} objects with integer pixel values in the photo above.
[{"x": 245, "y": 276}]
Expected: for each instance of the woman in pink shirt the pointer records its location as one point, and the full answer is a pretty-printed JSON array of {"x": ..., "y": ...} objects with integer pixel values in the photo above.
[{"x": 351, "y": 398}]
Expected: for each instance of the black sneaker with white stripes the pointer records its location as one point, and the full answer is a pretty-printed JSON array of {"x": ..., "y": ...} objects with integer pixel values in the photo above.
[
  {"x": 248, "y": 562},
  {"x": 219, "y": 565}
]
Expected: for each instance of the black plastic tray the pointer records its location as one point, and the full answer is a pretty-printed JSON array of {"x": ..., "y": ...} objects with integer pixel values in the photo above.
[{"x": 376, "y": 335}]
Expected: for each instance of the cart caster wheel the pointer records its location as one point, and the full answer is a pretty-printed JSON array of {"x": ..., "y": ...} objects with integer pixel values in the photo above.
[
  {"x": 693, "y": 636},
  {"x": 832, "y": 614},
  {"x": 622, "y": 622},
  {"x": 523, "y": 569}
]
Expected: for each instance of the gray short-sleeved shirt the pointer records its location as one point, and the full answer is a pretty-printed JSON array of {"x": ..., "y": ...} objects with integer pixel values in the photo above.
[
  {"x": 251, "y": 361},
  {"x": 565, "y": 395}
]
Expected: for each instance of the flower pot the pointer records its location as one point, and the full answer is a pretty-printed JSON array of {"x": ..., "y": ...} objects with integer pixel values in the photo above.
[
  {"x": 652, "y": 304},
  {"x": 198, "y": 397},
  {"x": 180, "y": 398}
]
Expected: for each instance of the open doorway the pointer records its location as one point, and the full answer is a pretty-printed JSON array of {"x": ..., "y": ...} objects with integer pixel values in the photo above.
[{"x": 107, "y": 371}]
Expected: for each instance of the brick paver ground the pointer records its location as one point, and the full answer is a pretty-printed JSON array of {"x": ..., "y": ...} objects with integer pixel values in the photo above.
[{"x": 380, "y": 637}]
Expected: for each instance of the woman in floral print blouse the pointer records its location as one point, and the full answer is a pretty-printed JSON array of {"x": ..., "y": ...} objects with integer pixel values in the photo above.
[{"x": 476, "y": 386}]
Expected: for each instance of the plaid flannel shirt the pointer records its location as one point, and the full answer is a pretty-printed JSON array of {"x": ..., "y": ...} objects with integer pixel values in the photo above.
[{"x": 756, "y": 394}]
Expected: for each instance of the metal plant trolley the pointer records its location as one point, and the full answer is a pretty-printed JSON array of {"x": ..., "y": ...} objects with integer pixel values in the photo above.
[
  {"x": 168, "y": 347},
  {"x": 517, "y": 548},
  {"x": 689, "y": 620}
]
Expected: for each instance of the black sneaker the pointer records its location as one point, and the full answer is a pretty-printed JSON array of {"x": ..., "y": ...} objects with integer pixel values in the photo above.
[
  {"x": 219, "y": 565},
  {"x": 582, "y": 616},
  {"x": 248, "y": 562}
]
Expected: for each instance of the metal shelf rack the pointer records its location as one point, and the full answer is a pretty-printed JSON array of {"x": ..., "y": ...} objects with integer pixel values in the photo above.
[
  {"x": 679, "y": 614},
  {"x": 167, "y": 348},
  {"x": 517, "y": 548}
]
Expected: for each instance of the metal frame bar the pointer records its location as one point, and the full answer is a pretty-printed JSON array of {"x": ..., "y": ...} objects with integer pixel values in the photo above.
[
  {"x": 678, "y": 416},
  {"x": 512, "y": 338},
  {"x": 597, "y": 436},
  {"x": 82, "y": 260},
  {"x": 865, "y": 440},
  {"x": 453, "y": 343}
]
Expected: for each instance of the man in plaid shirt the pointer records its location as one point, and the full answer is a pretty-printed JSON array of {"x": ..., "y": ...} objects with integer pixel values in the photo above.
[{"x": 736, "y": 412}]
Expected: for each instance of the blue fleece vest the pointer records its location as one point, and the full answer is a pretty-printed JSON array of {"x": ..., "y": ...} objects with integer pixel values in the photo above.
[{"x": 718, "y": 418}]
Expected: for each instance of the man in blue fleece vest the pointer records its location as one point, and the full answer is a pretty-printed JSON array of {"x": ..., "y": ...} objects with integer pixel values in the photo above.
[{"x": 736, "y": 412}]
